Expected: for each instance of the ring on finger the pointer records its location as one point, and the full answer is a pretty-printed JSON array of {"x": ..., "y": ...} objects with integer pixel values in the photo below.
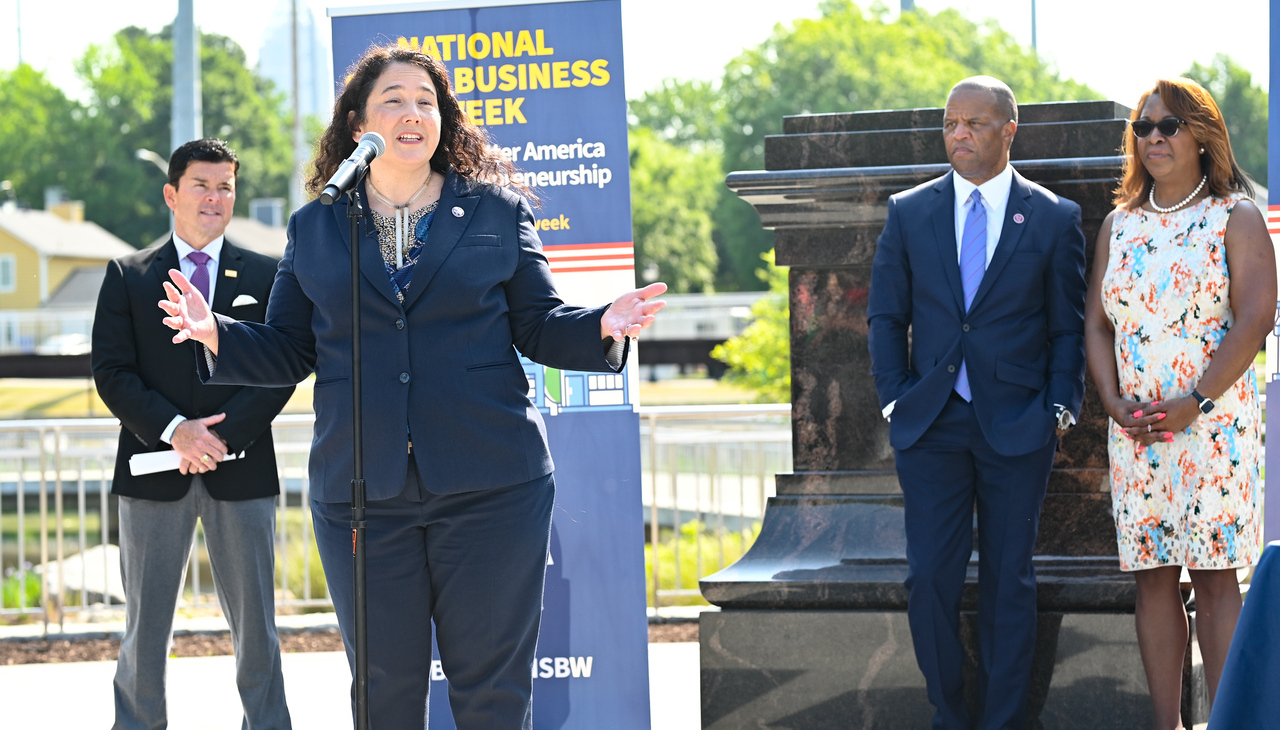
[
  {"x": 205, "y": 459},
  {"x": 1148, "y": 429}
]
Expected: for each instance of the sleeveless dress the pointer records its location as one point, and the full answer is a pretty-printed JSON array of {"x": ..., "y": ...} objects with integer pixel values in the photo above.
[{"x": 1192, "y": 502}]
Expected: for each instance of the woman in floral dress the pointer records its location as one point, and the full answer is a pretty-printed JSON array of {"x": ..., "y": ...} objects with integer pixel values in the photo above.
[{"x": 1181, "y": 297}]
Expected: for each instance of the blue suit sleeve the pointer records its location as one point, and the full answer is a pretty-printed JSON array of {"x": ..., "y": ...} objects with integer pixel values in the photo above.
[
  {"x": 1064, "y": 285},
  {"x": 281, "y": 352},
  {"x": 889, "y": 312},
  {"x": 544, "y": 328}
]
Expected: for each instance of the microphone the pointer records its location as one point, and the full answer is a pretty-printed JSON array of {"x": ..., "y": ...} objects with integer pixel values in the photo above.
[{"x": 353, "y": 168}]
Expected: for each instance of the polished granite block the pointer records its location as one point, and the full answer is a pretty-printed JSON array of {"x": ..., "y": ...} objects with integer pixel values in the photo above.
[
  {"x": 834, "y": 426},
  {"x": 831, "y": 201},
  {"x": 813, "y": 633},
  {"x": 820, "y": 670},
  {"x": 888, "y": 147},
  {"x": 849, "y": 552},
  {"x": 1057, "y": 111}
]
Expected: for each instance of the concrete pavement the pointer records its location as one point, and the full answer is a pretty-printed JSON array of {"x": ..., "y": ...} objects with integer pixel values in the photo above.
[{"x": 202, "y": 693}]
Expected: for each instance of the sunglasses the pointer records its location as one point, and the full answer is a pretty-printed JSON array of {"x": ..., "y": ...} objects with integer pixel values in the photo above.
[{"x": 1168, "y": 127}]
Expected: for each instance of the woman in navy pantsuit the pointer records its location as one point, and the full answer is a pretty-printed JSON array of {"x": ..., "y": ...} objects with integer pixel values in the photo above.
[{"x": 459, "y": 476}]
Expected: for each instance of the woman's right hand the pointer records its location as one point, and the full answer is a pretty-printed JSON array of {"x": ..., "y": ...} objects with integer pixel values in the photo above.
[
  {"x": 188, "y": 312},
  {"x": 1137, "y": 421}
]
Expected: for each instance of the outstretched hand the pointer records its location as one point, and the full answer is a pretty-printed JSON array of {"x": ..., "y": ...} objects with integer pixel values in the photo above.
[
  {"x": 188, "y": 312},
  {"x": 631, "y": 312}
]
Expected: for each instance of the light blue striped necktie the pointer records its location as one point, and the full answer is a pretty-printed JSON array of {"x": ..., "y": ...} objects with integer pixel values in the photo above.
[{"x": 973, "y": 264}]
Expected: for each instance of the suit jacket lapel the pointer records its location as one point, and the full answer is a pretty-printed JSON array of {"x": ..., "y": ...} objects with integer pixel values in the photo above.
[
  {"x": 371, "y": 265},
  {"x": 1010, "y": 234},
  {"x": 944, "y": 228},
  {"x": 446, "y": 230},
  {"x": 166, "y": 259},
  {"x": 225, "y": 291}
]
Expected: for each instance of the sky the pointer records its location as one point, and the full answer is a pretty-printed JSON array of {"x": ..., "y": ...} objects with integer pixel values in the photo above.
[{"x": 1118, "y": 47}]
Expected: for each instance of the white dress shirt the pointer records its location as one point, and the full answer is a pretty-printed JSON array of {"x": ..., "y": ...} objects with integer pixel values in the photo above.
[
  {"x": 188, "y": 268},
  {"x": 995, "y": 198}
]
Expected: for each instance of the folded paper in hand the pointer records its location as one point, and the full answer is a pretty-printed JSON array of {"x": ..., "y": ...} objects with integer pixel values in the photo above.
[
  {"x": 242, "y": 300},
  {"x": 157, "y": 461}
]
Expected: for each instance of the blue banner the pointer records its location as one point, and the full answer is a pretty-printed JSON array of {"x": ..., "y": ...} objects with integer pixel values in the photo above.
[{"x": 546, "y": 80}]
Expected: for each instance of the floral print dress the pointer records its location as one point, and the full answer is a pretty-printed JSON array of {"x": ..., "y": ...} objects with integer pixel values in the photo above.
[{"x": 1192, "y": 502}]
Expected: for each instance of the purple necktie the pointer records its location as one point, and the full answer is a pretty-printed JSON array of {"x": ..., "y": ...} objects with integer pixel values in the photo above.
[
  {"x": 973, "y": 263},
  {"x": 200, "y": 279}
]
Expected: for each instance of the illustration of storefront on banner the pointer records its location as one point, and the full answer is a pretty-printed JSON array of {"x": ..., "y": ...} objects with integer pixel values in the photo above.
[{"x": 546, "y": 80}]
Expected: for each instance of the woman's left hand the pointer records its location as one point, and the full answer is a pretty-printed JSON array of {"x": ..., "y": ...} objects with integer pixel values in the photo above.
[
  {"x": 1178, "y": 414},
  {"x": 631, "y": 312}
]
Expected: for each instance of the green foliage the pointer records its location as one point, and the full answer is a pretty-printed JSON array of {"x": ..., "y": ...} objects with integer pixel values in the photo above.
[
  {"x": 36, "y": 130},
  {"x": 673, "y": 190},
  {"x": 248, "y": 112},
  {"x": 689, "y": 113},
  {"x": 717, "y": 553},
  {"x": 1244, "y": 108},
  {"x": 300, "y": 560},
  {"x": 20, "y": 587},
  {"x": 846, "y": 60},
  {"x": 89, "y": 148},
  {"x": 760, "y": 358}
]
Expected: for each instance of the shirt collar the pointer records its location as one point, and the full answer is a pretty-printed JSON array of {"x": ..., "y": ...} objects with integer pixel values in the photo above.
[
  {"x": 994, "y": 191},
  {"x": 213, "y": 248}
]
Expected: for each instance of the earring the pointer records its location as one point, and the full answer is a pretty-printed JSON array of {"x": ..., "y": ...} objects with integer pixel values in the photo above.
[{"x": 1202, "y": 150}]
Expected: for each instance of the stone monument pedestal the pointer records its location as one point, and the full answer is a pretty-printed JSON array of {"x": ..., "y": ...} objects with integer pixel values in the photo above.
[{"x": 812, "y": 631}]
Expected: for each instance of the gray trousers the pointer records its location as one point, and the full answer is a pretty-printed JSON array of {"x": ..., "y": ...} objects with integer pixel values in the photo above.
[{"x": 155, "y": 544}]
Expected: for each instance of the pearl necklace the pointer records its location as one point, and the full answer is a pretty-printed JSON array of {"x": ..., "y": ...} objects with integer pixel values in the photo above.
[
  {"x": 402, "y": 218},
  {"x": 1151, "y": 196}
]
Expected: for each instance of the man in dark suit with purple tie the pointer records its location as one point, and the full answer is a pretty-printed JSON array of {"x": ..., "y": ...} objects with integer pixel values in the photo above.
[
  {"x": 153, "y": 388},
  {"x": 976, "y": 320}
]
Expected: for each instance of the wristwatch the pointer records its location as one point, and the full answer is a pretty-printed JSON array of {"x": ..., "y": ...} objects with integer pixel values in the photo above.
[
  {"x": 1206, "y": 405},
  {"x": 1065, "y": 419}
]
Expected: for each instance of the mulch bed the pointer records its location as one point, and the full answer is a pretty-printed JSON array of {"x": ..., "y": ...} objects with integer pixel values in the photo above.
[{"x": 192, "y": 645}]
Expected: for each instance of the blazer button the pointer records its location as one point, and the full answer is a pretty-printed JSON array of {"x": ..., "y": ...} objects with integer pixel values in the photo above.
[
  {"x": 404, "y": 377},
  {"x": 400, "y": 324},
  {"x": 950, "y": 369},
  {"x": 965, "y": 327}
]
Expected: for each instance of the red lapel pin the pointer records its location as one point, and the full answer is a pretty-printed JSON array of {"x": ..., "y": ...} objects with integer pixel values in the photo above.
[{"x": 1017, "y": 218}]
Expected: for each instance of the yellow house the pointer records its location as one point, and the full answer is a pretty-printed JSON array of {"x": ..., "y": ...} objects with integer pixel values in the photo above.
[{"x": 39, "y": 249}]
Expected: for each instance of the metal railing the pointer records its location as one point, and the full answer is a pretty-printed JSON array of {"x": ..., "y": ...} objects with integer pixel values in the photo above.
[
  {"x": 716, "y": 465},
  {"x": 48, "y": 463},
  {"x": 705, "y": 468}
]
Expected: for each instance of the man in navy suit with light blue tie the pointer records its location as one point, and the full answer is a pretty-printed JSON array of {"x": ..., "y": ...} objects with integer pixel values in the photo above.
[{"x": 976, "y": 320}]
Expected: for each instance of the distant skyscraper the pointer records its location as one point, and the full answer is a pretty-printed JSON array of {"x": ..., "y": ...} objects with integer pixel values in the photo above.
[{"x": 315, "y": 78}]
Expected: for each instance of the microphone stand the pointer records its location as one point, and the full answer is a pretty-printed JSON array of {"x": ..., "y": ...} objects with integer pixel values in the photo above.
[{"x": 355, "y": 211}]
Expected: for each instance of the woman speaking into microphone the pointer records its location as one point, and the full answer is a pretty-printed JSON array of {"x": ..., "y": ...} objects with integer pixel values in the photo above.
[{"x": 460, "y": 483}]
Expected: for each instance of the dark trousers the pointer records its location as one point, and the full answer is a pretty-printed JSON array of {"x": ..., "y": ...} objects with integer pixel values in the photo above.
[
  {"x": 474, "y": 563},
  {"x": 942, "y": 475}
]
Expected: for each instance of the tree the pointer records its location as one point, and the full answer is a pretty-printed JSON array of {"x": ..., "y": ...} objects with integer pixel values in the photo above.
[
  {"x": 673, "y": 190},
  {"x": 687, "y": 113},
  {"x": 89, "y": 149},
  {"x": 760, "y": 358},
  {"x": 37, "y": 134},
  {"x": 1244, "y": 108},
  {"x": 846, "y": 60}
]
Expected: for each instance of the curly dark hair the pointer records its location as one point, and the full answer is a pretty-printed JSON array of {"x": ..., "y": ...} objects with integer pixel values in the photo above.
[{"x": 465, "y": 148}]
